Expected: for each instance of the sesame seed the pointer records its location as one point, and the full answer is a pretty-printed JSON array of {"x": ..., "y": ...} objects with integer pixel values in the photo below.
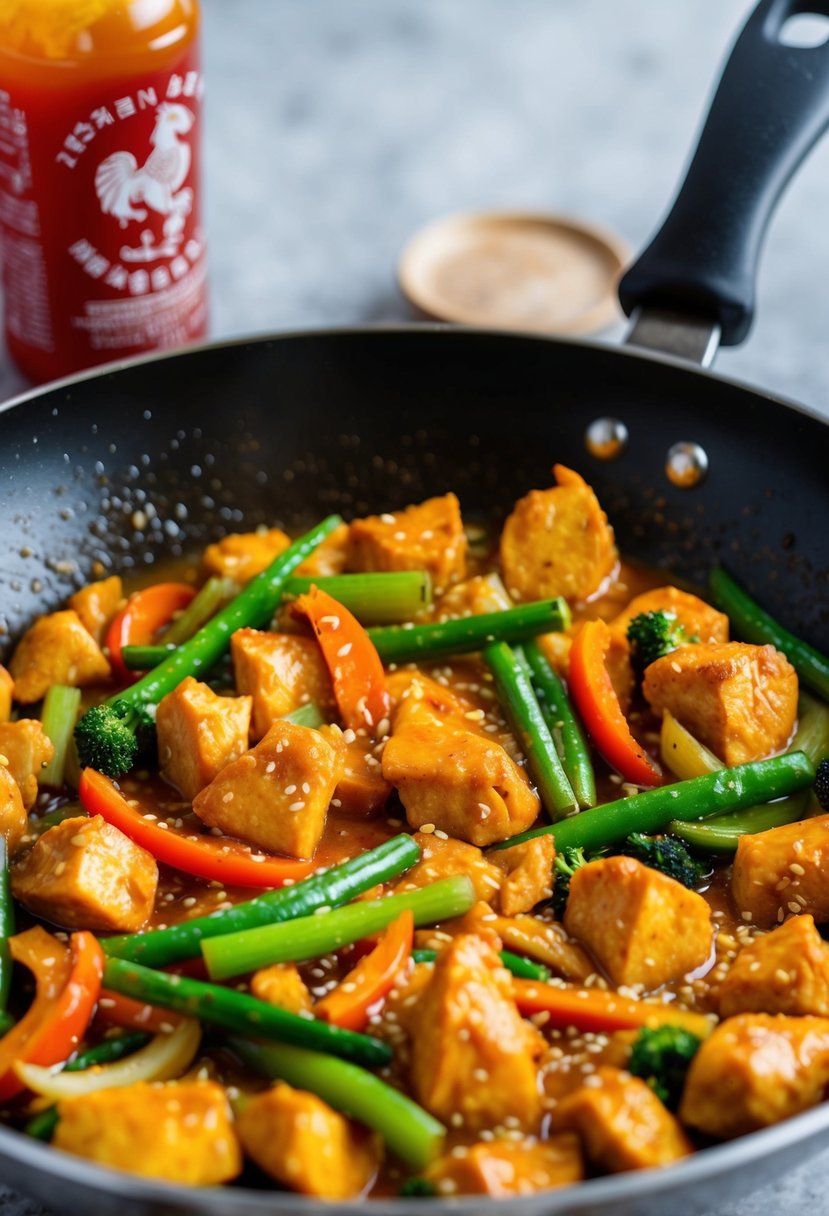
[
  {"x": 793, "y": 907},
  {"x": 427, "y": 828},
  {"x": 296, "y": 806},
  {"x": 344, "y": 650}
]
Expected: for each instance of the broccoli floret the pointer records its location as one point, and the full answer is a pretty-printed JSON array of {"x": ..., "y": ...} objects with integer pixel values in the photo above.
[
  {"x": 653, "y": 635},
  {"x": 415, "y": 1188},
  {"x": 661, "y": 1057},
  {"x": 668, "y": 855},
  {"x": 109, "y": 737},
  {"x": 822, "y": 784},
  {"x": 564, "y": 867}
]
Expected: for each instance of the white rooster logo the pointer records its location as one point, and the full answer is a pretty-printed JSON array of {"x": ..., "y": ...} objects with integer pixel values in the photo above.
[{"x": 122, "y": 186}]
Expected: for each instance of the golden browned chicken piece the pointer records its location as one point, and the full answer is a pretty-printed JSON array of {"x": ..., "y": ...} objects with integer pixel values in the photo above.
[
  {"x": 276, "y": 796},
  {"x": 180, "y": 1133},
  {"x": 242, "y": 555},
  {"x": 199, "y": 733},
  {"x": 500, "y": 1168},
  {"x": 282, "y": 985},
  {"x": 528, "y": 874},
  {"x": 783, "y": 871},
  {"x": 699, "y": 619},
  {"x": 328, "y": 558},
  {"x": 642, "y": 927},
  {"x": 85, "y": 874},
  {"x": 27, "y": 751},
  {"x": 96, "y": 605},
  {"x": 6, "y": 694},
  {"x": 281, "y": 672},
  {"x": 785, "y": 971},
  {"x": 418, "y": 700},
  {"x": 621, "y": 1122},
  {"x": 464, "y": 784},
  {"x": 474, "y": 596},
  {"x": 473, "y": 1056},
  {"x": 445, "y": 858},
  {"x": 543, "y": 940},
  {"x": 55, "y": 650},
  {"x": 428, "y": 536},
  {"x": 300, "y": 1141},
  {"x": 754, "y": 1070},
  {"x": 362, "y": 789},
  {"x": 558, "y": 542},
  {"x": 739, "y": 700},
  {"x": 13, "y": 821}
]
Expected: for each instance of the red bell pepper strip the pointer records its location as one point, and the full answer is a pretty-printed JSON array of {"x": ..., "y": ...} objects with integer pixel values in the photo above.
[
  {"x": 596, "y": 701},
  {"x": 591, "y": 1009},
  {"x": 351, "y": 657},
  {"x": 138, "y": 621},
  {"x": 68, "y": 983},
  {"x": 348, "y": 1004},
  {"x": 225, "y": 860}
]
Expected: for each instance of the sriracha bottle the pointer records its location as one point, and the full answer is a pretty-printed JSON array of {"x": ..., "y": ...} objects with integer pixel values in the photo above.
[{"x": 103, "y": 252}]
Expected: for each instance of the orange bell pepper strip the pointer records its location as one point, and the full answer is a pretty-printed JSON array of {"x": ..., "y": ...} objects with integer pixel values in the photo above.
[
  {"x": 118, "y": 1010},
  {"x": 138, "y": 621},
  {"x": 596, "y": 701},
  {"x": 349, "y": 1004},
  {"x": 226, "y": 860},
  {"x": 592, "y": 1009},
  {"x": 68, "y": 983},
  {"x": 351, "y": 657}
]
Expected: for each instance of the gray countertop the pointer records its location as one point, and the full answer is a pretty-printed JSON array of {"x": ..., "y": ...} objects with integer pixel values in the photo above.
[{"x": 335, "y": 129}]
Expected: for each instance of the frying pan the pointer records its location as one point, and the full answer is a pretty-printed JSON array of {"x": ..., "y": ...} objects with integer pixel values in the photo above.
[{"x": 117, "y": 468}]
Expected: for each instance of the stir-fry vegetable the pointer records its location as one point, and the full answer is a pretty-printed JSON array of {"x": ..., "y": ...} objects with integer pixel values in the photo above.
[
  {"x": 753, "y": 624},
  {"x": 410, "y": 1132},
  {"x": 661, "y": 1055},
  {"x": 564, "y": 726},
  {"x": 312, "y": 936},
  {"x": 240, "y": 1013},
  {"x": 522, "y": 967},
  {"x": 106, "y": 734},
  {"x": 515, "y": 693},
  {"x": 652, "y": 635},
  {"x": 207, "y": 601},
  {"x": 7, "y": 919},
  {"x": 591, "y": 1009},
  {"x": 684, "y": 755},
  {"x": 381, "y": 598},
  {"x": 599, "y": 706},
  {"x": 142, "y": 616},
  {"x": 328, "y": 889},
  {"x": 108, "y": 1051},
  {"x": 58, "y": 717},
  {"x": 349, "y": 1004}
]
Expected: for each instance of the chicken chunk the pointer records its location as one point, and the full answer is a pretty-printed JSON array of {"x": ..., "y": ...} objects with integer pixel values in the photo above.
[
  {"x": 281, "y": 672},
  {"x": 85, "y": 874},
  {"x": 428, "y": 536},
  {"x": 699, "y": 619},
  {"x": 362, "y": 789},
  {"x": 300, "y": 1141},
  {"x": 464, "y": 784},
  {"x": 328, "y": 558},
  {"x": 473, "y": 1056},
  {"x": 6, "y": 694},
  {"x": 180, "y": 1133},
  {"x": 475, "y": 596},
  {"x": 754, "y": 1070},
  {"x": 785, "y": 971},
  {"x": 276, "y": 796},
  {"x": 621, "y": 1122},
  {"x": 558, "y": 542},
  {"x": 446, "y": 858},
  {"x": 739, "y": 700},
  {"x": 500, "y": 1168},
  {"x": 56, "y": 650},
  {"x": 96, "y": 605},
  {"x": 543, "y": 940},
  {"x": 242, "y": 555},
  {"x": 27, "y": 751},
  {"x": 781, "y": 871},
  {"x": 199, "y": 733},
  {"x": 419, "y": 700},
  {"x": 528, "y": 874},
  {"x": 641, "y": 926},
  {"x": 13, "y": 821},
  {"x": 282, "y": 985}
]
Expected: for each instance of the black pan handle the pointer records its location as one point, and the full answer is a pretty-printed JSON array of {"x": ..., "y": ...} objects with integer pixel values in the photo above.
[{"x": 771, "y": 106}]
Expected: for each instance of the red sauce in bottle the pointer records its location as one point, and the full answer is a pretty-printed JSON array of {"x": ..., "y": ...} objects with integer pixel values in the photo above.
[{"x": 102, "y": 245}]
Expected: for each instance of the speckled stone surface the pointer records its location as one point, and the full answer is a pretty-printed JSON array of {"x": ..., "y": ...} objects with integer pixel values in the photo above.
[{"x": 336, "y": 128}]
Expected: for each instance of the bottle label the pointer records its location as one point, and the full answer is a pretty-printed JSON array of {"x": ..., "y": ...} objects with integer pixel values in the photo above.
[{"x": 103, "y": 249}]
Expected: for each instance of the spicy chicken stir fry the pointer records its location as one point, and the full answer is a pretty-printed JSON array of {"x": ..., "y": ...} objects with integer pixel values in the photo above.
[{"x": 403, "y": 859}]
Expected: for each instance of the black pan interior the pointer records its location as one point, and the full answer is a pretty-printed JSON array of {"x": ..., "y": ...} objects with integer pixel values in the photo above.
[{"x": 112, "y": 471}]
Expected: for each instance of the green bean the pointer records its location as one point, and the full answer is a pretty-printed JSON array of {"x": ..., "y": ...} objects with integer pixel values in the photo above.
[
  {"x": 325, "y": 889},
  {"x": 728, "y": 789},
  {"x": 565, "y": 727},
  {"x": 513, "y": 962},
  {"x": 240, "y": 1013},
  {"x": 6, "y": 925},
  {"x": 42, "y": 1126},
  {"x": 108, "y": 1051},
  {"x": 405, "y": 643},
  {"x": 207, "y": 601},
  {"x": 722, "y": 833},
  {"x": 515, "y": 694},
  {"x": 312, "y": 936},
  {"x": 382, "y": 598},
  {"x": 753, "y": 624},
  {"x": 58, "y": 716}
]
